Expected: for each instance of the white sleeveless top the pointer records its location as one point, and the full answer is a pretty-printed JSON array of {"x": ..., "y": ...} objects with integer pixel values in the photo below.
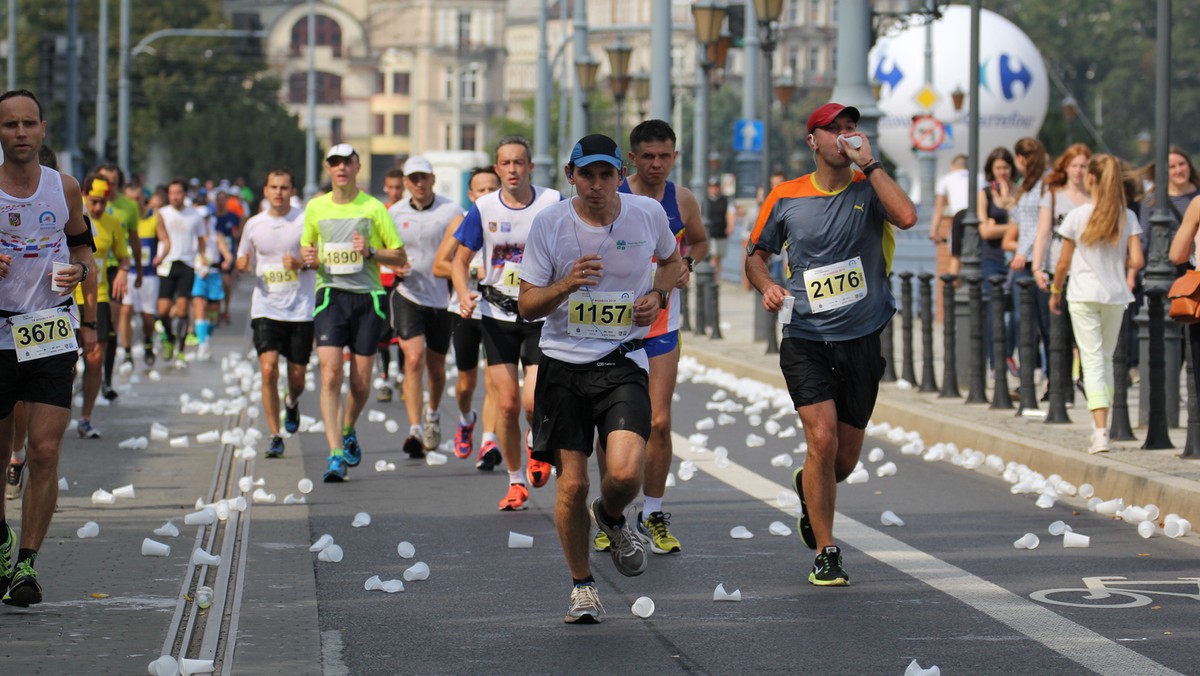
[{"x": 33, "y": 232}]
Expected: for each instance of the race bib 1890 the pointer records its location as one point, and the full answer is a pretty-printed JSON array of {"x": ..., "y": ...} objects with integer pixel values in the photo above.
[
  {"x": 280, "y": 279},
  {"x": 342, "y": 259},
  {"x": 834, "y": 286},
  {"x": 598, "y": 314},
  {"x": 44, "y": 333}
]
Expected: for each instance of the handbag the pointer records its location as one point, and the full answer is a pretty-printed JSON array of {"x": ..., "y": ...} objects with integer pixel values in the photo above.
[{"x": 1185, "y": 298}]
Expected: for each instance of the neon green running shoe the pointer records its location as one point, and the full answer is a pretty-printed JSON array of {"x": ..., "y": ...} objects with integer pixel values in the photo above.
[
  {"x": 6, "y": 555},
  {"x": 24, "y": 590}
]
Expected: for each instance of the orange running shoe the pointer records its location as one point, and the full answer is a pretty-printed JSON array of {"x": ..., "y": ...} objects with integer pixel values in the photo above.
[
  {"x": 537, "y": 471},
  {"x": 515, "y": 500}
]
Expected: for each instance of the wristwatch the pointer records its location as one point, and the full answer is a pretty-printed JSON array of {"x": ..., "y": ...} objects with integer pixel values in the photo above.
[
  {"x": 83, "y": 275},
  {"x": 370, "y": 252},
  {"x": 691, "y": 263},
  {"x": 662, "y": 298}
]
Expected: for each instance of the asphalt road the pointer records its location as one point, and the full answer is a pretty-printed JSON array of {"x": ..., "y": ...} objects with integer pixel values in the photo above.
[{"x": 947, "y": 588}]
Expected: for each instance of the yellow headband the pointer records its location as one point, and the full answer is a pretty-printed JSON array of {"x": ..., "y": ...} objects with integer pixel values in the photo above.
[{"x": 99, "y": 188}]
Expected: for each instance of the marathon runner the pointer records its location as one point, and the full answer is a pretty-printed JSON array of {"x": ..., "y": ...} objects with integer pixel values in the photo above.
[
  {"x": 127, "y": 213},
  {"x": 177, "y": 271},
  {"x": 144, "y": 299},
  {"x": 393, "y": 189}
]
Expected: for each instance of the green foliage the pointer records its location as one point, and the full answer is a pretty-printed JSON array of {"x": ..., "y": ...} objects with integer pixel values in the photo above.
[{"x": 244, "y": 138}]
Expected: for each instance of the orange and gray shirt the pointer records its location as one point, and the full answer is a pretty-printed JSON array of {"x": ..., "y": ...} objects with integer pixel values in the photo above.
[{"x": 838, "y": 247}]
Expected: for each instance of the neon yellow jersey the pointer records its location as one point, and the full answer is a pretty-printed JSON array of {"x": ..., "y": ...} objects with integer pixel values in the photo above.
[
  {"x": 128, "y": 214},
  {"x": 110, "y": 239},
  {"x": 327, "y": 223}
]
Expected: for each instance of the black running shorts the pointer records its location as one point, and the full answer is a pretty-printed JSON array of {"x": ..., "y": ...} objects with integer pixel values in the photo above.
[
  {"x": 293, "y": 340},
  {"x": 178, "y": 283},
  {"x": 410, "y": 320},
  {"x": 847, "y": 372},
  {"x": 510, "y": 342},
  {"x": 38, "y": 381},
  {"x": 467, "y": 336},
  {"x": 105, "y": 327},
  {"x": 348, "y": 319}
]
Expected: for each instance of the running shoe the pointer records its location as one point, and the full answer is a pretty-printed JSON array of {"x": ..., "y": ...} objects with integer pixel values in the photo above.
[
  {"x": 108, "y": 392},
  {"x": 1100, "y": 443},
  {"x": 14, "y": 480},
  {"x": 86, "y": 431},
  {"x": 336, "y": 473},
  {"x": 803, "y": 524},
  {"x": 168, "y": 349},
  {"x": 489, "y": 457},
  {"x": 204, "y": 352},
  {"x": 515, "y": 499},
  {"x": 464, "y": 441},
  {"x": 276, "y": 449},
  {"x": 23, "y": 589},
  {"x": 384, "y": 394},
  {"x": 654, "y": 528},
  {"x": 414, "y": 447},
  {"x": 585, "y": 605},
  {"x": 148, "y": 354},
  {"x": 537, "y": 471},
  {"x": 180, "y": 362},
  {"x": 628, "y": 553},
  {"x": 600, "y": 542},
  {"x": 128, "y": 359},
  {"x": 190, "y": 340},
  {"x": 431, "y": 431},
  {"x": 291, "y": 416},
  {"x": 6, "y": 555},
  {"x": 827, "y": 569},
  {"x": 351, "y": 449}
]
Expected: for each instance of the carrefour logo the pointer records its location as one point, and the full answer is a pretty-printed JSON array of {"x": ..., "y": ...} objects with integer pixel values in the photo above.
[{"x": 1011, "y": 71}]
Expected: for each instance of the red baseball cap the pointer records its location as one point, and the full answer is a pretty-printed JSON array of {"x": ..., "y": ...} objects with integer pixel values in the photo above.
[{"x": 828, "y": 113}]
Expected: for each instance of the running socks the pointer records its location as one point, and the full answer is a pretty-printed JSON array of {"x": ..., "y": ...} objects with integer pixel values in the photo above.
[
  {"x": 467, "y": 422},
  {"x": 651, "y": 505},
  {"x": 517, "y": 477},
  {"x": 202, "y": 326}
]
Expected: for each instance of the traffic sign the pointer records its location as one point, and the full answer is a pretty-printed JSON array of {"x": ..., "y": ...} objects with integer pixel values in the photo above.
[
  {"x": 927, "y": 133},
  {"x": 748, "y": 136}
]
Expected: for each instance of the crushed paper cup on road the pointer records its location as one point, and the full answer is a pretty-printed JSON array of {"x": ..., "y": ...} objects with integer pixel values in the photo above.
[
  {"x": 63, "y": 485},
  {"x": 391, "y": 426},
  {"x": 719, "y": 594},
  {"x": 859, "y": 476},
  {"x": 305, "y": 486},
  {"x": 782, "y": 460},
  {"x": 772, "y": 427},
  {"x": 261, "y": 496},
  {"x": 245, "y": 484},
  {"x": 1076, "y": 540},
  {"x": 779, "y": 528},
  {"x": 406, "y": 550},
  {"x": 417, "y": 571},
  {"x": 159, "y": 432},
  {"x": 435, "y": 458},
  {"x": 1057, "y": 528},
  {"x": 361, "y": 520},
  {"x": 89, "y": 530},
  {"x": 1177, "y": 528},
  {"x": 754, "y": 419},
  {"x": 643, "y": 607},
  {"x": 392, "y": 586},
  {"x": 321, "y": 543},
  {"x": 915, "y": 669},
  {"x": 875, "y": 455},
  {"x": 167, "y": 530},
  {"x": 187, "y": 666},
  {"x": 154, "y": 548},
  {"x": 704, "y": 424},
  {"x": 518, "y": 541},
  {"x": 376, "y": 416},
  {"x": 180, "y": 442},
  {"x": 384, "y": 466},
  {"x": 203, "y": 517},
  {"x": 1045, "y": 501},
  {"x": 134, "y": 443},
  {"x": 740, "y": 533},
  {"x": 291, "y": 499},
  {"x": 103, "y": 497},
  {"x": 203, "y": 558},
  {"x": 754, "y": 441},
  {"x": 1026, "y": 541},
  {"x": 373, "y": 583},
  {"x": 164, "y": 666},
  {"x": 787, "y": 498},
  {"x": 670, "y": 480},
  {"x": 886, "y": 469},
  {"x": 889, "y": 518},
  {"x": 724, "y": 419},
  {"x": 209, "y": 437}
]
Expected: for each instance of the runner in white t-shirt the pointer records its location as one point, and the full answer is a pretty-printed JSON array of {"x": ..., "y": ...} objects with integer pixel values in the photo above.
[
  {"x": 281, "y": 307},
  {"x": 417, "y": 303},
  {"x": 585, "y": 271},
  {"x": 177, "y": 273}
]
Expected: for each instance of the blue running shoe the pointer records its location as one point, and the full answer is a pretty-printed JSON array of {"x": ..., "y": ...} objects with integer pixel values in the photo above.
[
  {"x": 351, "y": 449},
  {"x": 337, "y": 468},
  {"x": 291, "y": 417},
  {"x": 276, "y": 449}
]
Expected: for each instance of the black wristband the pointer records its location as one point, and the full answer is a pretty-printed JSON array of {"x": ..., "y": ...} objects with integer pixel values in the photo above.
[
  {"x": 89, "y": 325},
  {"x": 871, "y": 166},
  {"x": 691, "y": 263}
]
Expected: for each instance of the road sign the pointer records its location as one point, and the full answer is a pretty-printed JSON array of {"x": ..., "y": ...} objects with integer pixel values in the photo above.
[
  {"x": 927, "y": 133},
  {"x": 748, "y": 136}
]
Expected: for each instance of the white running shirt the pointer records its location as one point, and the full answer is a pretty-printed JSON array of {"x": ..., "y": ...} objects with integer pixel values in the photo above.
[
  {"x": 183, "y": 228},
  {"x": 286, "y": 296},
  {"x": 422, "y": 232}
]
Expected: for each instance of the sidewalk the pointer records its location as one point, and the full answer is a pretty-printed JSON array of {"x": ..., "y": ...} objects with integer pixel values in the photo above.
[{"x": 1139, "y": 476}]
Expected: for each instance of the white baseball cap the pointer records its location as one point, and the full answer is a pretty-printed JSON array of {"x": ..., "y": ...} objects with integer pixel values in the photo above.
[
  {"x": 417, "y": 165},
  {"x": 341, "y": 150}
]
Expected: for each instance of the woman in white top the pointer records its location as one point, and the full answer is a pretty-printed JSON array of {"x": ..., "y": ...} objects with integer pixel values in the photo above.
[{"x": 1101, "y": 253}]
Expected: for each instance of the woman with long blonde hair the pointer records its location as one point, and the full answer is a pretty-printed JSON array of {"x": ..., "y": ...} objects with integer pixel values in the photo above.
[{"x": 1101, "y": 254}]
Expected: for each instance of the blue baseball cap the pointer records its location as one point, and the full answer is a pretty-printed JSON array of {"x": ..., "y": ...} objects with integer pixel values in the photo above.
[{"x": 596, "y": 148}]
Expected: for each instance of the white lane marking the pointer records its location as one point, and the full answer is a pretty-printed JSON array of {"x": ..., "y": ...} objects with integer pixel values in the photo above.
[
  {"x": 1073, "y": 641},
  {"x": 331, "y": 654}
]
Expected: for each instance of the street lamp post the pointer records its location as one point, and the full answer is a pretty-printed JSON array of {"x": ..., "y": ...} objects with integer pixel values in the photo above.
[
  {"x": 618, "y": 78},
  {"x": 1070, "y": 110},
  {"x": 708, "y": 17},
  {"x": 585, "y": 74},
  {"x": 640, "y": 85},
  {"x": 766, "y": 12}
]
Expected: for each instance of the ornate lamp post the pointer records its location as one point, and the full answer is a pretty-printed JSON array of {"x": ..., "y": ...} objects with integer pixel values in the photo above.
[
  {"x": 708, "y": 17},
  {"x": 618, "y": 78}
]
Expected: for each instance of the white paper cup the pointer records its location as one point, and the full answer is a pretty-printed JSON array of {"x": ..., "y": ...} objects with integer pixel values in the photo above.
[
  {"x": 238, "y": 504},
  {"x": 54, "y": 286},
  {"x": 163, "y": 666},
  {"x": 392, "y": 586},
  {"x": 167, "y": 530},
  {"x": 361, "y": 519},
  {"x": 1076, "y": 540},
  {"x": 779, "y": 528},
  {"x": 203, "y": 517},
  {"x": 179, "y": 442},
  {"x": 187, "y": 667},
  {"x": 785, "y": 311},
  {"x": 153, "y": 548},
  {"x": 103, "y": 497},
  {"x": 208, "y": 437},
  {"x": 1177, "y": 528},
  {"x": 305, "y": 486},
  {"x": 1147, "y": 529},
  {"x": 203, "y": 558},
  {"x": 331, "y": 554},
  {"x": 291, "y": 499},
  {"x": 719, "y": 594},
  {"x": 373, "y": 583},
  {"x": 1026, "y": 541},
  {"x": 435, "y": 458},
  {"x": 321, "y": 543},
  {"x": 1058, "y": 528},
  {"x": 740, "y": 533},
  {"x": 261, "y": 496},
  {"x": 1045, "y": 501},
  {"x": 889, "y": 518},
  {"x": 417, "y": 571},
  {"x": 519, "y": 541},
  {"x": 125, "y": 491},
  {"x": 886, "y": 469},
  {"x": 406, "y": 550},
  {"x": 89, "y": 530},
  {"x": 1110, "y": 507},
  {"x": 643, "y": 607}
]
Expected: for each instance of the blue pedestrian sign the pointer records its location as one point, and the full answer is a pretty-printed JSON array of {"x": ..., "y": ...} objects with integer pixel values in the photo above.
[{"x": 748, "y": 136}]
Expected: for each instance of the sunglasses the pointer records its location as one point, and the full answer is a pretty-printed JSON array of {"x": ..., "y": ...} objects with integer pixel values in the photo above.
[{"x": 337, "y": 161}]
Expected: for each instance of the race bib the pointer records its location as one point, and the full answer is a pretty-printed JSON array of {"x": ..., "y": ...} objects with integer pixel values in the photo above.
[
  {"x": 834, "y": 286},
  {"x": 280, "y": 279},
  {"x": 599, "y": 314},
  {"x": 510, "y": 279},
  {"x": 44, "y": 333},
  {"x": 342, "y": 259}
]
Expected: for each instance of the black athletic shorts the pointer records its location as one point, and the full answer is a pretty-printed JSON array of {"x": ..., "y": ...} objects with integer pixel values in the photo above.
[
  {"x": 467, "y": 336},
  {"x": 348, "y": 319},
  {"x": 177, "y": 284},
  {"x": 572, "y": 402},
  {"x": 847, "y": 372},
  {"x": 293, "y": 340},
  {"x": 39, "y": 381},
  {"x": 105, "y": 331},
  {"x": 410, "y": 320},
  {"x": 510, "y": 342}
]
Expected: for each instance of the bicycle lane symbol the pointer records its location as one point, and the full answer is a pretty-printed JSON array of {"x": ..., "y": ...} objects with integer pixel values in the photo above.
[{"x": 1115, "y": 592}]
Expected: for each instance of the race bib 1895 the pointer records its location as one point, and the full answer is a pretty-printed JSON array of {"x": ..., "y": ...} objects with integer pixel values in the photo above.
[
  {"x": 44, "y": 333},
  {"x": 342, "y": 259},
  {"x": 280, "y": 279},
  {"x": 599, "y": 314},
  {"x": 834, "y": 286}
]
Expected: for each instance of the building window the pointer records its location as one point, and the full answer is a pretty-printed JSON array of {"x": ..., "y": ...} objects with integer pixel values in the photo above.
[
  {"x": 380, "y": 129},
  {"x": 329, "y": 34},
  {"x": 380, "y": 81},
  {"x": 400, "y": 84},
  {"x": 464, "y": 30},
  {"x": 814, "y": 59},
  {"x": 468, "y": 137},
  {"x": 400, "y": 124},
  {"x": 329, "y": 88},
  {"x": 335, "y": 130}
]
